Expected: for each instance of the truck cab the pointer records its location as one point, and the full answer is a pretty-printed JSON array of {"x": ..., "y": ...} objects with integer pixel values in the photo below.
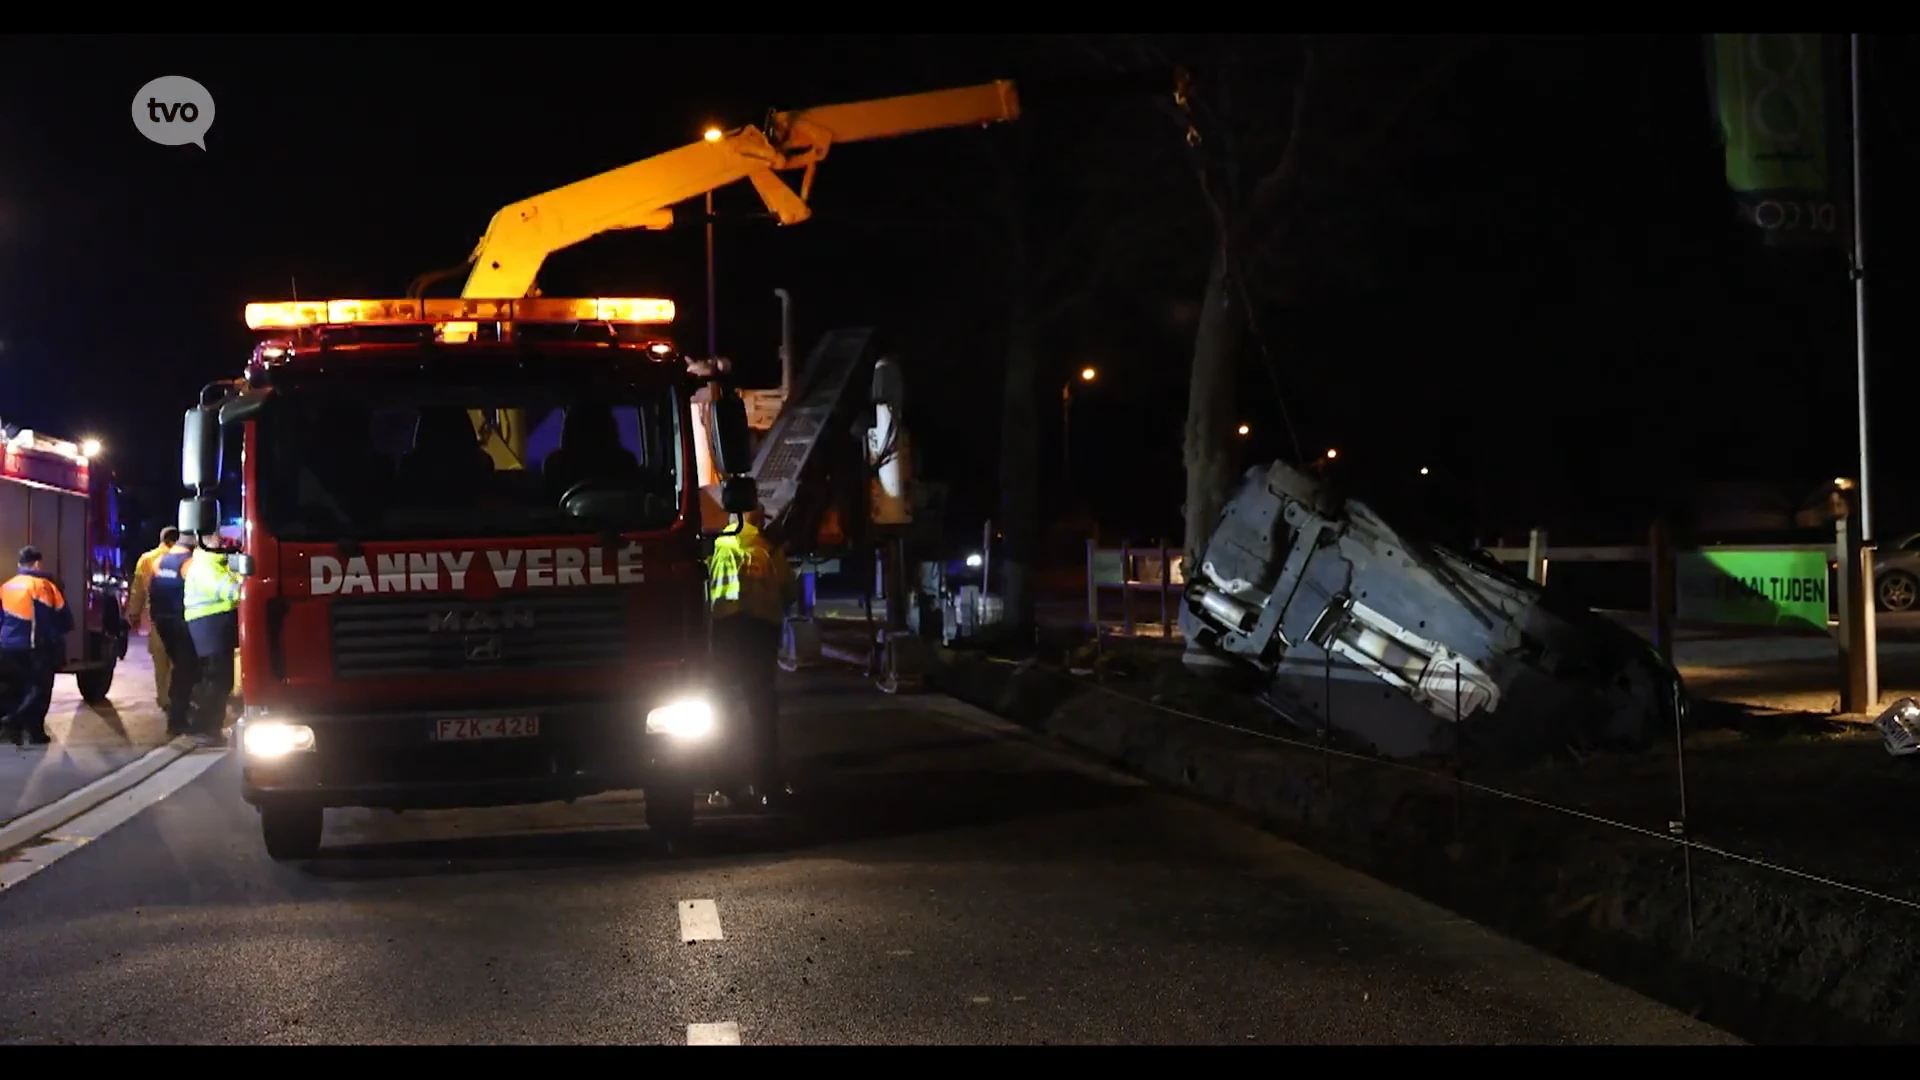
[{"x": 424, "y": 624}]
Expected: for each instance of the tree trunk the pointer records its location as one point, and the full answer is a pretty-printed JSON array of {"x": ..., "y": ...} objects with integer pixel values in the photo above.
[{"x": 1208, "y": 449}]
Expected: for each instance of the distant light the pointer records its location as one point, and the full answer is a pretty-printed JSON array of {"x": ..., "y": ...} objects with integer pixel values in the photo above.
[
  {"x": 973, "y": 561},
  {"x": 1331, "y": 454},
  {"x": 1243, "y": 429},
  {"x": 714, "y": 134},
  {"x": 89, "y": 447},
  {"x": 1423, "y": 470},
  {"x": 1842, "y": 483},
  {"x": 1087, "y": 374}
]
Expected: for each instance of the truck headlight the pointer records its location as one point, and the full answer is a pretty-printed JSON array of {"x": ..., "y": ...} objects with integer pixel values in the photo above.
[
  {"x": 688, "y": 718},
  {"x": 269, "y": 739}
]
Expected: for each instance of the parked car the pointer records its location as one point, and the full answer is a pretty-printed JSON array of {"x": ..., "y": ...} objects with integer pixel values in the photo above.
[{"x": 1896, "y": 575}]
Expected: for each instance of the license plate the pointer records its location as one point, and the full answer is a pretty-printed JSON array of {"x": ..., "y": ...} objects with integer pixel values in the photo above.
[{"x": 469, "y": 728}]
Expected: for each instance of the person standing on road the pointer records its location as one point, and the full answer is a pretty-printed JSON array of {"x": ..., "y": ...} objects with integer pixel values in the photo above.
[
  {"x": 211, "y": 592},
  {"x": 34, "y": 622},
  {"x": 166, "y": 605},
  {"x": 747, "y": 583},
  {"x": 139, "y": 607}
]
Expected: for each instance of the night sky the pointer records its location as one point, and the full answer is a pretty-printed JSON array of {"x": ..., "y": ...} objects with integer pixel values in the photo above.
[{"x": 1544, "y": 298}]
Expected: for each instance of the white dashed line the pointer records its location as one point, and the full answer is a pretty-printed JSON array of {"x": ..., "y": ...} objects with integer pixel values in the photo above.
[
  {"x": 726, "y": 1033},
  {"x": 110, "y": 815},
  {"x": 700, "y": 921}
]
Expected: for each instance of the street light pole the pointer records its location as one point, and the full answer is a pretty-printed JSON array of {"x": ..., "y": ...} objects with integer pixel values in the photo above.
[
  {"x": 713, "y": 323},
  {"x": 1863, "y": 679}
]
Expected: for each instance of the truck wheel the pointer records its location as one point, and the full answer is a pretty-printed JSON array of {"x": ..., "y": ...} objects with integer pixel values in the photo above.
[
  {"x": 292, "y": 833},
  {"x": 670, "y": 813},
  {"x": 95, "y": 682}
]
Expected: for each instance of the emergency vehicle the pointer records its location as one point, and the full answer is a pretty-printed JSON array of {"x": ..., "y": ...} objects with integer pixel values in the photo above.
[
  {"x": 423, "y": 625},
  {"x": 54, "y": 496}
]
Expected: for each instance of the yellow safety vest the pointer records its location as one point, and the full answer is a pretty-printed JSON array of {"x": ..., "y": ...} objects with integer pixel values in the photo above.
[
  {"x": 212, "y": 588},
  {"x": 746, "y": 576}
]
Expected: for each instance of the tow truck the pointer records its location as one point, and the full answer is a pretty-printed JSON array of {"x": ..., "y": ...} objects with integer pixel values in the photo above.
[
  {"x": 53, "y": 496},
  {"x": 420, "y": 629}
]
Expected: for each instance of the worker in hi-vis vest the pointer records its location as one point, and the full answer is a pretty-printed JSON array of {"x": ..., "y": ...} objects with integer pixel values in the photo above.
[
  {"x": 138, "y": 608},
  {"x": 748, "y": 583},
  {"x": 212, "y": 597}
]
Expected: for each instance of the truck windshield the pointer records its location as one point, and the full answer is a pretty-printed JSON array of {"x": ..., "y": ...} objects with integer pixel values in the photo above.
[{"x": 388, "y": 463}]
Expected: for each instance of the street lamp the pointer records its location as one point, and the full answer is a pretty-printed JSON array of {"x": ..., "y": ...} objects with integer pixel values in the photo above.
[
  {"x": 713, "y": 134},
  {"x": 1087, "y": 375},
  {"x": 1423, "y": 470},
  {"x": 1242, "y": 430},
  {"x": 1331, "y": 454},
  {"x": 90, "y": 448}
]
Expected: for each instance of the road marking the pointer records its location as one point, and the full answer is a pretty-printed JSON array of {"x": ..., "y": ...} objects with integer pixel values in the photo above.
[
  {"x": 37, "y": 823},
  {"x": 699, "y": 921},
  {"x": 106, "y": 817},
  {"x": 726, "y": 1033}
]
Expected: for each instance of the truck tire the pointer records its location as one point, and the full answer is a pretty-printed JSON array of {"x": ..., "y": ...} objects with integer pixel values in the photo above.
[
  {"x": 292, "y": 833},
  {"x": 670, "y": 813},
  {"x": 96, "y": 682}
]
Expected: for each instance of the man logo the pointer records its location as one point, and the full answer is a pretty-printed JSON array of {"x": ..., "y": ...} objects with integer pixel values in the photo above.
[
  {"x": 471, "y": 621},
  {"x": 482, "y": 650}
]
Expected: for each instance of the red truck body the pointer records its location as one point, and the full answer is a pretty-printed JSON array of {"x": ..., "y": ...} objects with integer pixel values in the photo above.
[
  {"x": 450, "y": 668},
  {"x": 55, "y": 498}
]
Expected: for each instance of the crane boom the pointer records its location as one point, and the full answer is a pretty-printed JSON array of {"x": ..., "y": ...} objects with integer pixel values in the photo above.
[{"x": 641, "y": 195}]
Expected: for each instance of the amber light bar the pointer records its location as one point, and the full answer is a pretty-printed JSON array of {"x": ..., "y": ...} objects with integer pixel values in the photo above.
[{"x": 608, "y": 309}]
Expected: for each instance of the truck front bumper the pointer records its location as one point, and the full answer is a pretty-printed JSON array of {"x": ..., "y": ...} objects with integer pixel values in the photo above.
[{"x": 478, "y": 757}]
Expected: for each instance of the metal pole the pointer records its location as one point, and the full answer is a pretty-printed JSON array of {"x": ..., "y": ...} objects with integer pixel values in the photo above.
[
  {"x": 1860, "y": 296},
  {"x": 713, "y": 324},
  {"x": 1867, "y": 633},
  {"x": 1066, "y": 437}
]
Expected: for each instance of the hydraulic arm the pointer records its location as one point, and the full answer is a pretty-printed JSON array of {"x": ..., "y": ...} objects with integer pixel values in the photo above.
[{"x": 641, "y": 195}]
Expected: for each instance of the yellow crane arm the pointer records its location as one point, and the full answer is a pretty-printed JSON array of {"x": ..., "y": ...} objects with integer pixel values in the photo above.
[{"x": 641, "y": 195}]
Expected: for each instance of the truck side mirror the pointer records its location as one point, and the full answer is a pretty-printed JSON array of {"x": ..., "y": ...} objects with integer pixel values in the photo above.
[
  {"x": 199, "y": 516},
  {"x": 889, "y": 388},
  {"x": 739, "y": 495},
  {"x": 736, "y": 444},
  {"x": 200, "y": 448}
]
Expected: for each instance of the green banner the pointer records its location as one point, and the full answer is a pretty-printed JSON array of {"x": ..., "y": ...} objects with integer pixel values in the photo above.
[
  {"x": 1752, "y": 588},
  {"x": 1770, "y": 94}
]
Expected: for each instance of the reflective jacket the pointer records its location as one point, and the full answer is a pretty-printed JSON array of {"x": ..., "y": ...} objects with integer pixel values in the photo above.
[
  {"x": 142, "y": 581},
  {"x": 212, "y": 590},
  {"x": 33, "y": 613},
  {"x": 747, "y": 575},
  {"x": 167, "y": 593}
]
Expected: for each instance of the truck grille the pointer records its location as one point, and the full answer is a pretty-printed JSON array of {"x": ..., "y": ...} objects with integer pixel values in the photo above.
[{"x": 387, "y": 636}]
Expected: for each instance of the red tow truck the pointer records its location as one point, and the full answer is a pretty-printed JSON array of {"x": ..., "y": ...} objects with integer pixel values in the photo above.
[
  {"x": 424, "y": 625},
  {"x": 53, "y": 497}
]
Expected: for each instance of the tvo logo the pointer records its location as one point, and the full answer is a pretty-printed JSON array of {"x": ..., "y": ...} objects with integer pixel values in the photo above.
[{"x": 174, "y": 110}]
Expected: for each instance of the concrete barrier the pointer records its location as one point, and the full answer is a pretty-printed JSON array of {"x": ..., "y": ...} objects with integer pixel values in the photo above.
[{"x": 1767, "y": 956}]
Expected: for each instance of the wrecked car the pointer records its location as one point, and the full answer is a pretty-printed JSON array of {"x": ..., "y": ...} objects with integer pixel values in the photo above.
[{"x": 1381, "y": 643}]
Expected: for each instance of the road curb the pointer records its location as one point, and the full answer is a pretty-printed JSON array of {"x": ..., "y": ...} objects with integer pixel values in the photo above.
[{"x": 34, "y": 824}]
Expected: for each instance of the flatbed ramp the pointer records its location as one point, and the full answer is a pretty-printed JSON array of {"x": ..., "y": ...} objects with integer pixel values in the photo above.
[{"x": 796, "y": 463}]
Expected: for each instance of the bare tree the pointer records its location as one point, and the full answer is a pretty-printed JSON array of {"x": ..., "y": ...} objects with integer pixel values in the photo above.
[{"x": 1295, "y": 144}]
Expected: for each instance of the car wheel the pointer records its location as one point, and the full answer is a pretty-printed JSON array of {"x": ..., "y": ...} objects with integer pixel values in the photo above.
[{"x": 1897, "y": 590}]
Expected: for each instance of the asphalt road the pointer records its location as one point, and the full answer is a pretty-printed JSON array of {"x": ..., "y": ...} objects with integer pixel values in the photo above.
[{"x": 947, "y": 881}]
